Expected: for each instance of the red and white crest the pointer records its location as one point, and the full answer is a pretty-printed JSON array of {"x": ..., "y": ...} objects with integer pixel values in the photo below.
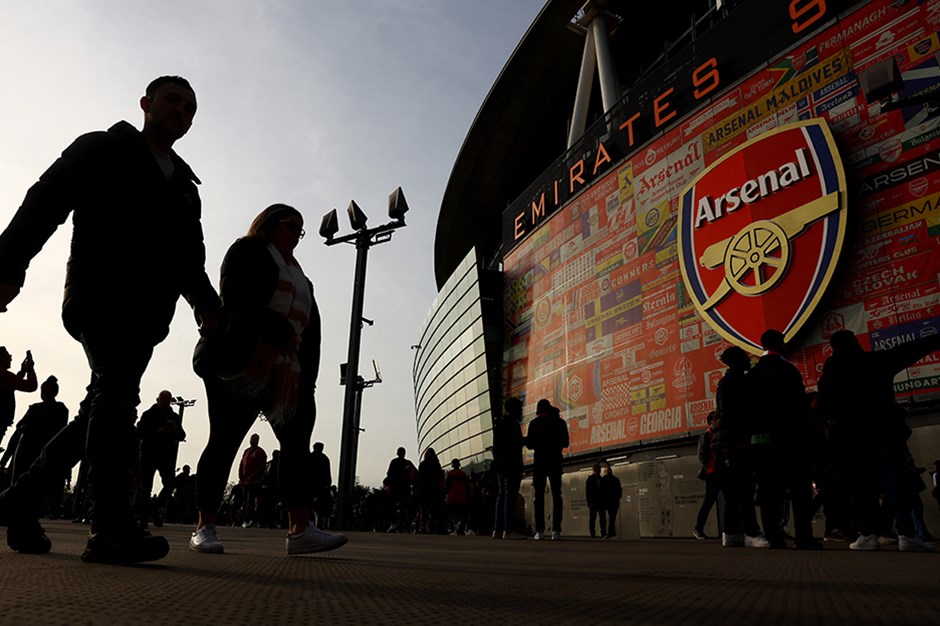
[{"x": 760, "y": 232}]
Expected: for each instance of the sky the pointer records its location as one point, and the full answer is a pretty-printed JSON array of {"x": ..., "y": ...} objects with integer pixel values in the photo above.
[{"x": 312, "y": 104}]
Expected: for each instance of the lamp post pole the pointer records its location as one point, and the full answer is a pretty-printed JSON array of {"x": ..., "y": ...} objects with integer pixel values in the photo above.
[
  {"x": 364, "y": 238},
  {"x": 349, "y": 449}
]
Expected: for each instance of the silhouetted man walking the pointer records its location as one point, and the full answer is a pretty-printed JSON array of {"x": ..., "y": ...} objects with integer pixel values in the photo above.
[
  {"x": 160, "y": 432},
  {"x": 129, "y": 194}
]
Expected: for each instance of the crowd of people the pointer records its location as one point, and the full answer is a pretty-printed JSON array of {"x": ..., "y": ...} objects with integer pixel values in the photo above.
[
  {"x": 844, "y": 448},
  {"x": 129, "y": 193},
  {"x": 428, "y": 499},
  {"x": 254, "y": 500}
]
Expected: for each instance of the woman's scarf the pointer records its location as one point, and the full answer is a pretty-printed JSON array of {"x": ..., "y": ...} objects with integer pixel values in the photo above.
[{"x": 273, "y": 371}]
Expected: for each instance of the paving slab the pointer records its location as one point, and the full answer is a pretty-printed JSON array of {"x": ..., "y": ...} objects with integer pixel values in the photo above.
[{"x": 408, "y": 579}]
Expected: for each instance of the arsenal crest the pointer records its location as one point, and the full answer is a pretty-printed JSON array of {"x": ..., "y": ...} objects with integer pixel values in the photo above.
[{"x": 760, "y": 232}]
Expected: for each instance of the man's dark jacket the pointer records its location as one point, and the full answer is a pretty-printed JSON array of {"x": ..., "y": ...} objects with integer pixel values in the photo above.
[
  {"x": 733, "y": 411},
  {"x": 547, "y": 437},
  {"x": 780, "y": 407},
  {"x": 856, "y": 392},
  {"x": 40, "y": 424},
  {"x": 137, "y": 241},
  {"x": 592, "y": 492},
  {"x": 507, "y": 446},
  {"x": 157, "y": 445}
]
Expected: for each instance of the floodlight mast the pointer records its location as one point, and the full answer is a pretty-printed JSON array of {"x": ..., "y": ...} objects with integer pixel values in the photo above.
[{"x": 363, "y": 238}]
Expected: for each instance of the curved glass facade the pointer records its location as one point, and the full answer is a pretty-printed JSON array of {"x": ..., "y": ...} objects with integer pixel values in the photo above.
[{"x": 452, "y": 389}]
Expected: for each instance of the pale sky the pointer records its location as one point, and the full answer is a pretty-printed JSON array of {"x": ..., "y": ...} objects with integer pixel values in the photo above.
[{"x": 307, "y": 103}]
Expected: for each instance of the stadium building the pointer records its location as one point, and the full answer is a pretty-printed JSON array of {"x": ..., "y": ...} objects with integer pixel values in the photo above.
[{"x": 647, "y": 184}]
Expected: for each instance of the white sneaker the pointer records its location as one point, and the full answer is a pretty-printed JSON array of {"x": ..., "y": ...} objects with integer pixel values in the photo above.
[
  {"x": 206, "y": 540},
  {"x": 866, "y": 542},
  {"x": 556, "y": 535},
  {"x": 314, "y": 540},
  {"x": 912, "y": 544},
  {"x": 539, "y": 536},
  {"x": 886, "y": 541},
  {"x": 732, "y": 541},
  {"x": 758, "y": 541}
]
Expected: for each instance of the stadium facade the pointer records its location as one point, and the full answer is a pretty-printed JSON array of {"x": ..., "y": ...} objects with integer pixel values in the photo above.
[{"x": 773, "y": 164}]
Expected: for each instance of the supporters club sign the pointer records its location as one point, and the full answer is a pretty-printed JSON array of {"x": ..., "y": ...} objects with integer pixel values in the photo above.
[{"x": 760, "y": 232}]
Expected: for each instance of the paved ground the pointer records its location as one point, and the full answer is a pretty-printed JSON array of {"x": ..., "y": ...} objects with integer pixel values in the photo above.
[{"x": 402, "y": 579}]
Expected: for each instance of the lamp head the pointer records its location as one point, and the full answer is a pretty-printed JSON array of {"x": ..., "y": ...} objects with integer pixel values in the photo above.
[
  {"x": 397, "y": 206},
  {"x": 329, "y": 225},
  {"x": 357, "y": 219}
]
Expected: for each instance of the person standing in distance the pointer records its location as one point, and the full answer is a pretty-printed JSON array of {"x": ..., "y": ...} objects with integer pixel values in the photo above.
[
  {"x": 592, "y": 493},
  {"x": 731, "y": 444},
  {"x": 160, "y": 433},
  {"x": 507, "y": 456},
  {"x": 129, "y": 194},
  {"x": 23, "y": 380},
  {"x": 547, "y": 437},
  {"x": 40, "y": 424},
  {"x": 780, "y": 414}
]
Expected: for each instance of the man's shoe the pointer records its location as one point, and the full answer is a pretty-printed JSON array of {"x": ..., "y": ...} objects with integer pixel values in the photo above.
[
  {"x": 912, "y": 544},
  {"x": 865, "y": 542},
  {"x": 886, "y": 540},
  {"x": 758, "y": 541},
  {"x": 835, "y": 536},
  {"x": 556, "y": 535},
  {"x": 539, "y": 536},
  {"x": 124, "y": 548},
  {"x": 698, "y": 534},
  {"x": 732, "y": 541},
  {"x": 206, "y": 540},
  {"x": 28, "y": 538},
  {"x": 312, "y": 540}
]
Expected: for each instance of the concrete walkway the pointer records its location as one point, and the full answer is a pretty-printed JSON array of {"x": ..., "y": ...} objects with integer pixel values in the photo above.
[{"x": 403, "y": 579}]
